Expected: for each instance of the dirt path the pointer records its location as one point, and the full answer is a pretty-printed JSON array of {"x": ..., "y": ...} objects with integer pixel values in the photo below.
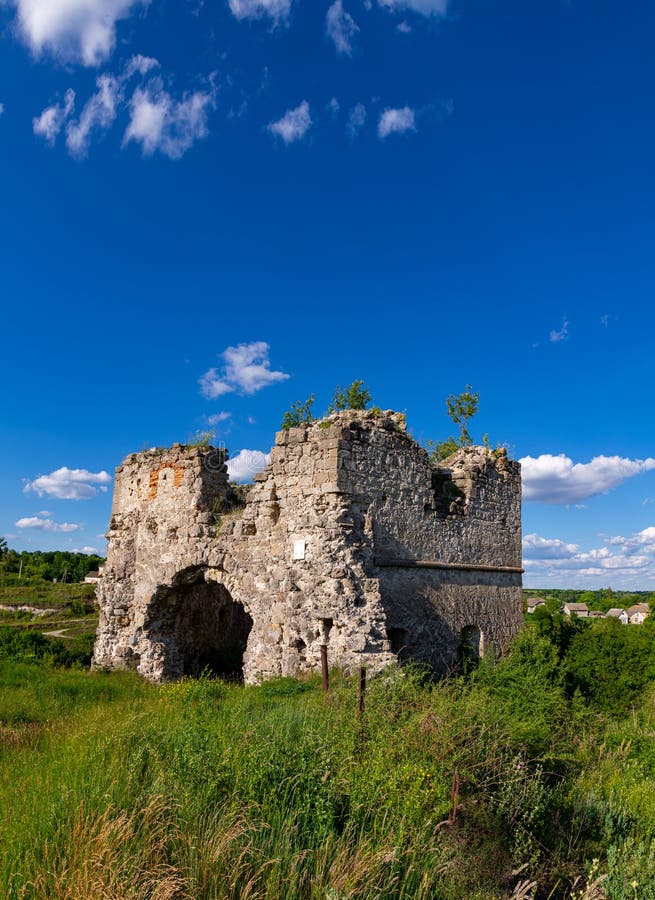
[{"x": 35, "y": 610}]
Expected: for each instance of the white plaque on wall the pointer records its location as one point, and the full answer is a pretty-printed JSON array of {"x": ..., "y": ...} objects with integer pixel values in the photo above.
[{"x": 299, "y": 549}]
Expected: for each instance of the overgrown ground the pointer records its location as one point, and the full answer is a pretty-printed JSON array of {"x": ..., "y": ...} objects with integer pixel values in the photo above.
[
  {"x": 509, "y": 783},
  {"x": 68, "y": 610}
]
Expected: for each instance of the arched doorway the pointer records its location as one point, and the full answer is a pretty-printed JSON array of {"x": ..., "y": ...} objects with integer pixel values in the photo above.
[{"x": 200, "y": 628}]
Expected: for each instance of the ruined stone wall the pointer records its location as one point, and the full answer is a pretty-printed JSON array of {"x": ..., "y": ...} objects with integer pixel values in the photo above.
[
  {"x": 294, "y": 559},
  {"x": 161, "y": 524},
  {"x": 446, "y": 540},
  {"x": 350, "y": 537}
]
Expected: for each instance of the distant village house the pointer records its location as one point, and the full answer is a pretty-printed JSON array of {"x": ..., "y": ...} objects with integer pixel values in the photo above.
[
  {"x": 619, "y": 614},
  {"x": 534, "y": 602},
  {"x": 581, "y": 610},
  {"x": 638, "y": 613}
]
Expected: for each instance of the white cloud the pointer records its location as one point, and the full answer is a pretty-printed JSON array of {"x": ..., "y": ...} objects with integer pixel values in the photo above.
[
  {"x": 642, "y": 541},
  {"x": 87, "y": 550},
  {"x": 46, "y": 524},
  {"x": 246, "y": 464},
  {"x": 561, "y": 564},
  {"x": 246, "y": 370},
  {"x": 81, "y": 31},
  {"x": 139, "y": 65},
  {"x": 557, "y": 479},
  {"x": 356, "y": 120},
  {"x": 277, "y": 10},
  {"x": 396, "y": 121},
  {"x": 424, "y": 7},
  {"x": 340, "y": 27},
  {"x": 52, "y": 119},
  {"x": 159, "y": 122},
  {"x": 294, "y": 124},
  {"x": 561, "y": 335},
  {"x": 536, "y": 547},
  {"x": 333, "y": 106},
  {"x": 2, "y": 108},
  {"x": 69, "y": 484},
  {"x": 404, "y": 27},
  {"x": 219, "y": 417},
  {"x": 99, "y": 111},
  {"x": 98, "y": 114}
]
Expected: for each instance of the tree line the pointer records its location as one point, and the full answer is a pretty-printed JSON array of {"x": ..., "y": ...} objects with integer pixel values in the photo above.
[{"x": 27, "y": 567}]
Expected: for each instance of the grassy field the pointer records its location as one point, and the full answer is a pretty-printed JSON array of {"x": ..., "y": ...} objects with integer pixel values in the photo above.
[
  {"x": 68, "y": 610},
  {"x": 505, "y": 784}
]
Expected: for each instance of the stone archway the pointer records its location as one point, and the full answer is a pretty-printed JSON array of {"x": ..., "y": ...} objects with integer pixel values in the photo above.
[{"x": 199, "y": 627}]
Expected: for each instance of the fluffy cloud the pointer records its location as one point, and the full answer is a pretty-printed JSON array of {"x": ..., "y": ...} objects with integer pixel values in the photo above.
[
  {"x": 557, "y": 479},
  {"x": 46, "y": 524},
  {"x": 340, "y": 28},
  {"x": 277, "y": 10},
  {"x": 98, "y": 114},
  {"x": 631, "y": 565},
  {"x": 356, "y": 120},
  {"x": 642, "y": 541},
  {"x": 396, "y": 121},
  {"x": 159, "y": 122},
  {"x": 246, "y": 370},
  {"x": 52, "y": 119},
  {"x": 536, "y": 547},
  {"x": 294, "y": 124},
  {"x": 81, "y": 31},
  {"x": 69, "y": 484},
  {"x": 424, "y": 7},
  {"x": 246, "y": 464}
]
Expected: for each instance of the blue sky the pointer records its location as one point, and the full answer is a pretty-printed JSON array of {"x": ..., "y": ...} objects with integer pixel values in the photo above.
[{"x": 213, "y": 208}]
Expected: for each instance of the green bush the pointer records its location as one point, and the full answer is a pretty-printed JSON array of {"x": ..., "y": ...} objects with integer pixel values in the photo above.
[{"x": 33, "y": 646}]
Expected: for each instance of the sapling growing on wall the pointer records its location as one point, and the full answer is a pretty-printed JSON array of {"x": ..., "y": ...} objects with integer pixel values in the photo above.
[
  {"x": 461, "y": 408},
  {"x": 357, "y": 396},
  {"x": 299, "y": 414}
]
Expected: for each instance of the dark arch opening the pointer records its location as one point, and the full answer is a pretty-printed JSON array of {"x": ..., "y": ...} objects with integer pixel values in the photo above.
[
  {"x": 397, "y": 638},
  {"x": 202, "y": 628}
]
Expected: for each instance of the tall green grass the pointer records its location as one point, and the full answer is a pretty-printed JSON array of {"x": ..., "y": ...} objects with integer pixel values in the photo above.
[{"x": 497, "y": 786}]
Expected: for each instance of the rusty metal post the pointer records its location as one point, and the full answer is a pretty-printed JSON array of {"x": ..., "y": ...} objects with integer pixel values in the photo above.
[
  {"x": 361, "y": 691},
  {"x": 324, "y": 668},
  {"x": 454, "y": 798}
]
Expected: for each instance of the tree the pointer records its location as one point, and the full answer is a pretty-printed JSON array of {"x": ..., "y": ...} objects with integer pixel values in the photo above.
[
  {"x": 299, "y": 414},
  {"x": 357, "y": 396},
  {"x": 461, "y": 408},
  {"x": 3, "y": 547}
]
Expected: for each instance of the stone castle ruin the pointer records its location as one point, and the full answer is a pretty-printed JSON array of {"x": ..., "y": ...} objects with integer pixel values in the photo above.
[{"x": 351, "y": 538}]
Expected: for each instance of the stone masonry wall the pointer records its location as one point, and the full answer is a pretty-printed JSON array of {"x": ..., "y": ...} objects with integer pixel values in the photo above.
[
  {"x": 161, "y": 524},
  {"x": 350, "y": 537}
]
